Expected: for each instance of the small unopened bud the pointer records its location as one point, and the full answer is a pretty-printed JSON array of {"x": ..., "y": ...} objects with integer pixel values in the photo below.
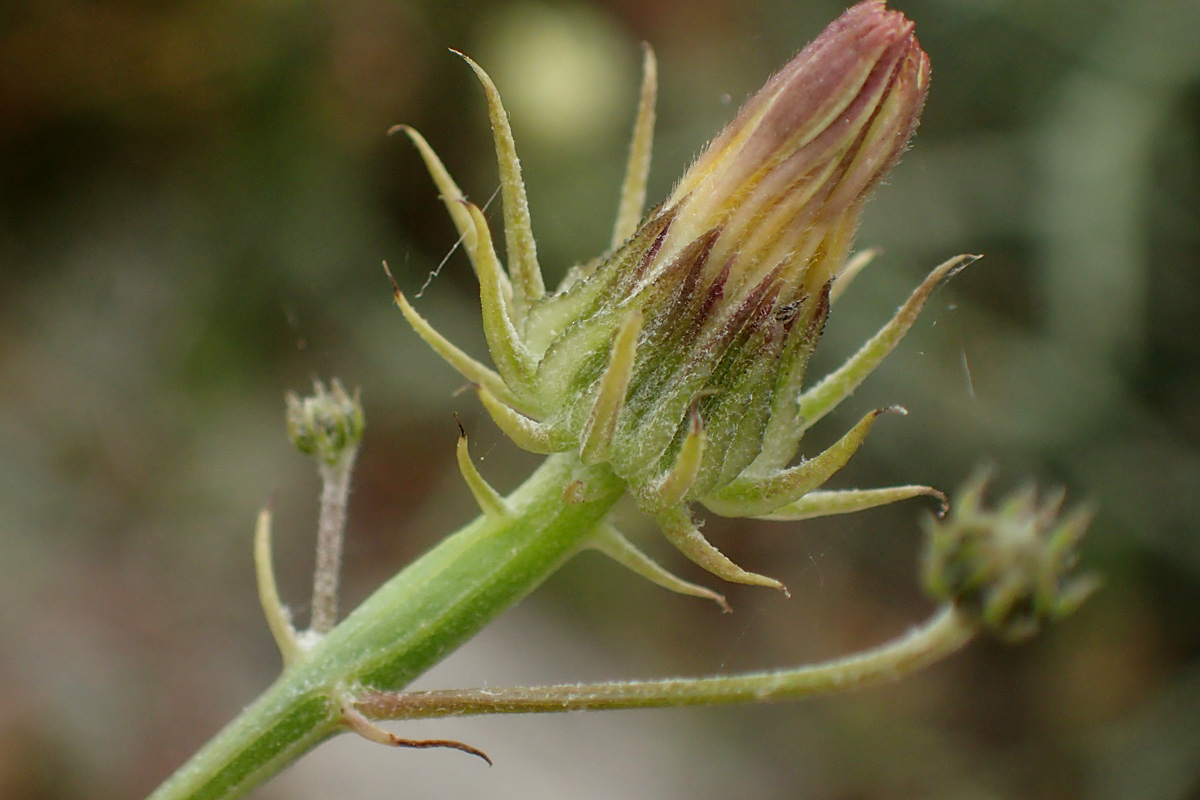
[
  {"x": 327, "y": 425},
  {"x": 1008, "y": 567}
]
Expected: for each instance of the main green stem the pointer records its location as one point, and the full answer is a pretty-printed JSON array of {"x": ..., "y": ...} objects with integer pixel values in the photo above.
[{"x": 411, "y": 623}]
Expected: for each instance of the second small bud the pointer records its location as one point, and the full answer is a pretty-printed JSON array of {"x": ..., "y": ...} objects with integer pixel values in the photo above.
[{"x": 328, "y": 424}]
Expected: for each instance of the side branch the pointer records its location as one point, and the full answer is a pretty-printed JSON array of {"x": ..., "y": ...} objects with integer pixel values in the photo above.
[{"x": 943, "y": 634}]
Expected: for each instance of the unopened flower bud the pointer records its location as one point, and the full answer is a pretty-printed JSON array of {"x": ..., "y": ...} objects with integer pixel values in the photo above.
[
  {"x": 1009, "y": 567},
  {"x": 678, "y": 358},
  {"x": 782, "y": 185},
  {"x": 731, "y": 275},
  {"x": 327, "y": 425}
]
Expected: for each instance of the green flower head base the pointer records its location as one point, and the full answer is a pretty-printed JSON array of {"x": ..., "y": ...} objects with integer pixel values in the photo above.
[{"x": 678, "y": 357}]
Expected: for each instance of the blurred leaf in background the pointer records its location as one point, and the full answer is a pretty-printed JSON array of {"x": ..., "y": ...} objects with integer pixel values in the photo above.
[{"x": 194, "y": 201}]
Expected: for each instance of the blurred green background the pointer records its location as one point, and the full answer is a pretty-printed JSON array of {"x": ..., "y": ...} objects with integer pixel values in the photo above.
[{"x": 195, "y": 198}]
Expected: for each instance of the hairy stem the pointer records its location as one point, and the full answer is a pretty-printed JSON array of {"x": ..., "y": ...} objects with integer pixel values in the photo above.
[
  {"x": 942, "y": 635},
  {"x": 331, "y": 533}
]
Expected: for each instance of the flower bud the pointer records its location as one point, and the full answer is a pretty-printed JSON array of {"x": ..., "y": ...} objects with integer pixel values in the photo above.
[
  {"x": 327, "y": 425},
  {"x": 1009, "y": 568},
  {"x": 783, "y": 184},
  {"x": 678, "y": 358},
  {"x": 732, "y": 273}
]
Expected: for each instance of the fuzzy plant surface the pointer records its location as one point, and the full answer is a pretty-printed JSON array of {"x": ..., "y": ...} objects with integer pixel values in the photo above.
[{"x": 670, "y": 369}]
